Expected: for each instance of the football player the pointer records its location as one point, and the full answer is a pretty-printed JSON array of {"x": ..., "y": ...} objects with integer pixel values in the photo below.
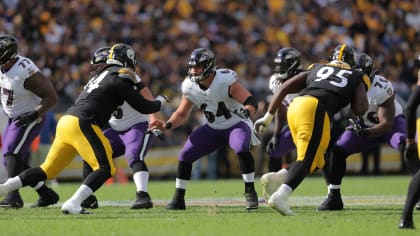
[
  {"x": 411, "y": 154},
  {"x": 227, "y": 106},
  {"x": 26, "y": 96},
  {"x": 79, "y": 130},
  {"x": 287, "y": 63},
  {"x": 383, "y": 122},
  {"x": 129, "y": 136},
  {"x": 323, "y": 91}
]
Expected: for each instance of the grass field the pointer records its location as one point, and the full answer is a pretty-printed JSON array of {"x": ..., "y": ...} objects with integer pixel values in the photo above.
[{"x": 372, "y": 207}]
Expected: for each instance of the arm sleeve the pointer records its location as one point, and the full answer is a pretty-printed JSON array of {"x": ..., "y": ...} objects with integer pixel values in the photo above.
[
  {"x": 411, "y": 112},
  {"x": 131, "y": 93}
]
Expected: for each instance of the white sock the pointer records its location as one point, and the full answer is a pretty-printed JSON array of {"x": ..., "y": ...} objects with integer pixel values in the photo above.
[
  {"x": 181, "y": 183},
  {"x": 285, "y": 189},
  {"x": 141, "y": 178},
  {"x": 81, "y": 194},
  {"x": 12, "y": 184},
  {"x": 249, "y": 178},
  {"x": 333, "y": 186}
]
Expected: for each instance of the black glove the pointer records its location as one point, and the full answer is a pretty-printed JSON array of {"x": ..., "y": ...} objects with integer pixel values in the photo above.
[
  {"x": 411, "y": 157},
  {"x": 242, "y": 112},
  {"x": 156, "y": 132},
  {"x": 26, "y": 118},
  {"x": 358, "y": 127},
  {"x": 272, "y": 144}
]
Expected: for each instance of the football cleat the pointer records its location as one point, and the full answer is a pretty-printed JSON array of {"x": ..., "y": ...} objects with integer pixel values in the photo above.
[
  {"x": 12, "y": 200},
  {"x": 406, "y": 224},
  {"x": 418, "y": 205},
  {"x": 143, "y": 201},
  {"x": 271, "y": 182},
  {"x": 176, "y": 204},
  {"x": 48, "y": 198},
  {"x": 333, "y": 202},
  {"x": 90, "y": 202},
  {"x": 69, "y": 207},
  {"x": 278, "y": 202},
  {"x": 251, "y": 200}
]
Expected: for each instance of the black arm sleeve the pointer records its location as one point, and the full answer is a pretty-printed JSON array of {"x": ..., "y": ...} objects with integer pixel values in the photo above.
[
  {"x": 131, "y": 93},
  {"x": 411, "y": 112}
]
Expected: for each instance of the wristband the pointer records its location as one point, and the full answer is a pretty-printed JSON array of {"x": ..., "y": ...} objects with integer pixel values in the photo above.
[
  {"x": 410, "y": 141},
  {"x": 168, "y": 125}
]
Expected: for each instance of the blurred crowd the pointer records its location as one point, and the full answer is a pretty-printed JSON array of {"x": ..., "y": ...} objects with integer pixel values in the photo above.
[{"x": 61, "y": 35}]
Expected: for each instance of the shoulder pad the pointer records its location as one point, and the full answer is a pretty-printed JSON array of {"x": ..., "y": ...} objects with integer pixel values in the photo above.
[{"x": 127, "y": 73}]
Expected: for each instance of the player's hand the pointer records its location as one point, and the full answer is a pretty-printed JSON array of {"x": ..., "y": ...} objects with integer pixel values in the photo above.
[
  {"x": 263, "y": 122},
  {"x": 358, "y": 127},
  {"x": 163, "y": 99},
  {"x": 156, "y": 132},
  {"x": 272, "y": 144},
  {"x": 242, "y": 112},
  {"x": 411, "y": 157},
  {"x": 26, "y": 118},
  {"x": 156, "y": 124}
]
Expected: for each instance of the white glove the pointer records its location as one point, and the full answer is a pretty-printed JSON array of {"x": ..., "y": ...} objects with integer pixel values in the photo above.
[
  {"x": 263, "y": 122},
  {"x": 162, "y": 99}
]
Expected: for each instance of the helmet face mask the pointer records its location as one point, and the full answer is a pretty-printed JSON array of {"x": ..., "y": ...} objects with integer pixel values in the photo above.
[
  {"x": 201, "y": 57},
  {"x": 287, "y": 63},
  {"x": 100, "y": 55},
  {"x": 8, "y": 49},
  {"x": 345, "y": 54},
  {"x": 122, "y": 55}
]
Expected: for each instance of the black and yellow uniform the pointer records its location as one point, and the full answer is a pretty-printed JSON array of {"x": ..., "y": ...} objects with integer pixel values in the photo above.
[
  {"x": 79, "y": 130},
  {"x": 328, "y": 89}
]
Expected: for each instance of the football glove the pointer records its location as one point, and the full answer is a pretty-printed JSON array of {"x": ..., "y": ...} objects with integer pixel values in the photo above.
[
  {"x": 26, "y": 118},
  {"x": 411, "y": 157},
  {"x": 162, "y": 99},
  {"x": 243, "y": 113},
  {"x": 272, "y": 144},
  {"x": 358, "y": 127},
  {"x": 263, "y": 122},
  {"x": 156, "y": 132}
]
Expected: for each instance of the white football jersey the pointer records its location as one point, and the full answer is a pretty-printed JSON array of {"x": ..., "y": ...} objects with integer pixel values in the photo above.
[
  {"x": 381, "y": 89},
  {"x": 215, "y": 102},
  {"x": 125, "y": 116},
  {"x": 275, "y": 84},
  {"x": 15, "y": 99}
]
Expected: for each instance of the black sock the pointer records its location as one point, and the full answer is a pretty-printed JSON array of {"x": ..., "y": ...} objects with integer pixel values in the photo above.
[
  {"x": 249, "y": 187},
  {"x": 179, "y": 193}
]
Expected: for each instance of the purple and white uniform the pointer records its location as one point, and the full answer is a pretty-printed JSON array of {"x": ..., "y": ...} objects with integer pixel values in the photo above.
[
  {"x": 127, "y": 134},
  {"x": 222, "y": 126},
  {"x": 285, "y": 142},
  {"x": 16, "y": 100},
  {"x": 381, "y": 89}
]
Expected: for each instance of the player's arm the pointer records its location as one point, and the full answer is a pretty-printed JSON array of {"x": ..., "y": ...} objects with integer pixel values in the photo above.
[
  {"x": 243, "y": 96},
  {"x": 280, "y": 119},
  {"x": 359, "y": 104},
  {"x": 147, "y": 94},
  {"x": 386, "y": 114},
  {"x": 177, "y": 118},
  {"x": 43, "y": 88},
  {"x": 130, "y": 92}
]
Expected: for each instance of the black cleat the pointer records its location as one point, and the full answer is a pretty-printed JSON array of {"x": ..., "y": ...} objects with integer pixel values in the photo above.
[
  {"x": 406, "y": 224},
  {"x": 90, "y": 202},
  {"x": 251, "y": 199},
  {"x": 50, "y": 197},
  {"x": 333, "y": 202},
  {"x": 176, "y": 204},
  {"x": 143, "y": 201},
  {"x": 418, "y": 205},
  {"x": 12, "y": 200}
]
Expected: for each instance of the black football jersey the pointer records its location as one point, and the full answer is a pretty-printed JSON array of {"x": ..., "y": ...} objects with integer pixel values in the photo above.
[
  {"x": 105, "y": 92},
  {"x": 334, "y": 86}
]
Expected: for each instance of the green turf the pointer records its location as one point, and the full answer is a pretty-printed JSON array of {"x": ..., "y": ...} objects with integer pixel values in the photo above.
[{"x": 372, "y": 207}]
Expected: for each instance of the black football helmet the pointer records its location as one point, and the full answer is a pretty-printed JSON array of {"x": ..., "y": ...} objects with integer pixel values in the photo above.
[
  {"x": 365, "y": 63},
  {"x": 287, "y": 63},
  {"x": 123, "y": 55},
  {"x": 100, "y": 55},
  {"x": 8, "y": 48},
  {"x": 344, "y": 53},
  {"x": 201, "y": 57}
]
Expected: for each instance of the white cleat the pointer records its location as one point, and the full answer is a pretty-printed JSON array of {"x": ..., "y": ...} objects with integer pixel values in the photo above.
[
  {"x": 271, "y": 181},
  {"x": 278, "y": 202},
  {"x": 69, "y": 207}
]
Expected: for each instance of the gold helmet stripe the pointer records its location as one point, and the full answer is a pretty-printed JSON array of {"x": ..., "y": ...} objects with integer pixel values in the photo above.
[{"x": 340, "y": 53}]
